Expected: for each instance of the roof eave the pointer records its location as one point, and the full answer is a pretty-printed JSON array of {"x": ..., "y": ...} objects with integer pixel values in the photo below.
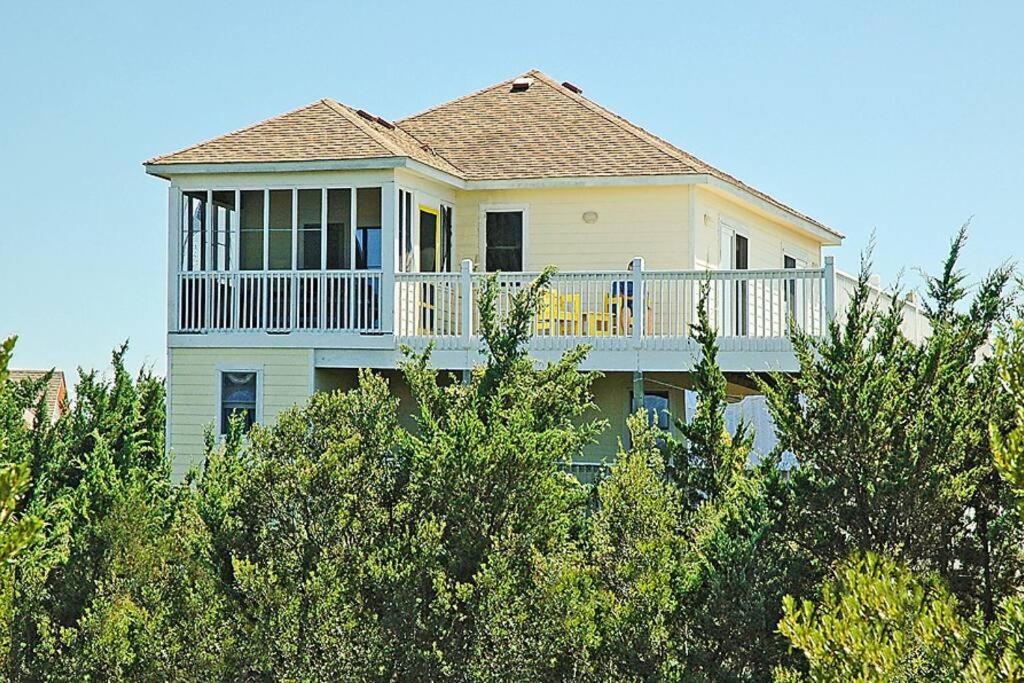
[{"x": 168, "y": 170}]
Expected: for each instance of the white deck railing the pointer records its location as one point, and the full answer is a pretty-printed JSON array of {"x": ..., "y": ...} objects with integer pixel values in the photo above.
[
  {"x": 637, "y": 309},
  {"x": 280, "y": 301},
  {"x": 751, "y": 309}
]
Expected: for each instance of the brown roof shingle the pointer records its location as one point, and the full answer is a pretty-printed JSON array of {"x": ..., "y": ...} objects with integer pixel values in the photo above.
[
  {"x": 498, "y": 133},
  {"x": 324, "y": 130},
  {"x": 544, "y": 131}
]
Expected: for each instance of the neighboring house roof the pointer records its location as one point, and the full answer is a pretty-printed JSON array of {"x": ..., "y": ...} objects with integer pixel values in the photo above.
[
  {"x": 499, "y": 133},
  {"x": 54, "y": 393}
]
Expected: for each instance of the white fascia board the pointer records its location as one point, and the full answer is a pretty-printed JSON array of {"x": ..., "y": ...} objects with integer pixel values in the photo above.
[{"x": 166, "y": 171}]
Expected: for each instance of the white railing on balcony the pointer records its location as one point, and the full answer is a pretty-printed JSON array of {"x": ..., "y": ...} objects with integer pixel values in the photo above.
[
  {"x": 279, "y": 301},
  {"x": 750, "y": 309},
  {"x": 635, "y": 309}
]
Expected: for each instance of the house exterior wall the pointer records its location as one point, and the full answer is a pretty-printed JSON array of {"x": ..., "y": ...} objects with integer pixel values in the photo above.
[
  {"x": 647, "y": 221},
  {"x": 673, "y": 227},
  {"x": 769, "y": 238},
  {"x": 193, "y": 383}
]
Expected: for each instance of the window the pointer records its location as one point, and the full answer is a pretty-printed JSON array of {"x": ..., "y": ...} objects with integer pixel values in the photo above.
[
  {"x": 310, "y": 205},
  {"x": 504, "y": 241},
  {"x": 238, "y": 392},
  {"x": 368, "y": 233},
  {"x": 656, "y": 407}
]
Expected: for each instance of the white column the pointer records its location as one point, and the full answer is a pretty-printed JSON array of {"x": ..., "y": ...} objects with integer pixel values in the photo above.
[
  {"x": 829, "y": 291},
  {"x": 173, "y": 255},
  {"x": 466, "y": 287},
  {"x": 388, "y": 257}
]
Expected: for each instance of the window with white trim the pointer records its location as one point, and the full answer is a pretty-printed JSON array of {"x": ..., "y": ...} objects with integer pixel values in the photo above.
[
  {"x": 238, "y": 396},
  {"x": 503, "y": 235}
]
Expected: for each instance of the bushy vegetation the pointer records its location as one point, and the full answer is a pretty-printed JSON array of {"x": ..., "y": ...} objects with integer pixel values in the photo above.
[{"x": 342, "y": 544}]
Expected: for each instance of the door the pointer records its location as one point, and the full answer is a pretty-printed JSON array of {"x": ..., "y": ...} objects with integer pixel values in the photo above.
[
  {"x": 734, "y": 255},
  {"x": 430, "y": 262},
  {"x": 794, "y": 292}
]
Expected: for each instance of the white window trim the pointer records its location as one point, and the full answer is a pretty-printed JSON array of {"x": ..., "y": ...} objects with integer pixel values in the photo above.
[
  {"x": 218, "y": 393},
  {"x": 496, "y": 208},
  {"x": 796, "y": 253},
  {"x": 737, "y": 227}
]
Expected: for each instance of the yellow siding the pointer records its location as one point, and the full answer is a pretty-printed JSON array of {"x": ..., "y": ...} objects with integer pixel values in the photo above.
[
  {"x": 193, "y": 383},
  {"x": 768, "y": 237},
  {"x": 632, "y": 221}
]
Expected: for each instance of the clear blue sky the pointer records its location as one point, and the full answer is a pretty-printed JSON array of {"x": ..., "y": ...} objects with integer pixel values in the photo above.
[{"x": 905, "y": 118}]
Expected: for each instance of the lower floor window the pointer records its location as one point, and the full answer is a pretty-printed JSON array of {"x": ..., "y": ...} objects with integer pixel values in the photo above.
[{"x": 237, "y": 397}]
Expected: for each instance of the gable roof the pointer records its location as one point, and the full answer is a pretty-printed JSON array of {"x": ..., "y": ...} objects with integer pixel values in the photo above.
[{"x": 499, "y": 133}]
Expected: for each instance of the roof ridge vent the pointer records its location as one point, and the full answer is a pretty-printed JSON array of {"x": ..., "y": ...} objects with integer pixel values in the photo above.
[
  {"x": 521, "y": 84},
  {"x": 384, "y": 122},
  {"x": 366, "y": 115},
  {"x": 572, "y": 87}
]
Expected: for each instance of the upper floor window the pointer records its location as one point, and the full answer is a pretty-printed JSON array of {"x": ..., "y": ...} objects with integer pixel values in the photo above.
[{"x": 503, "y": 241}]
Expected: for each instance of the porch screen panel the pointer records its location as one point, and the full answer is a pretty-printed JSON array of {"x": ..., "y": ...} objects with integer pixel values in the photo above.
[
  {"x": 339, "y": 226},
  {"x": 251, "y": 230},
  {"x": 368, "y": 220},
  {"x": 310, "y": 202},
  {"x": 225, "y": 218},
  {"x": 193, "y": 231},
  {"x": 405, "y": 251},
  {"x": 280, "y": 230}
]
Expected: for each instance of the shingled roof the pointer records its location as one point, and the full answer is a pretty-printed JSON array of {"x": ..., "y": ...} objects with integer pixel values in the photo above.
[
  {"x": 545, "y": 130},
  {"x": 320, "y": 131},
  {"x": 54, "y": 393}
]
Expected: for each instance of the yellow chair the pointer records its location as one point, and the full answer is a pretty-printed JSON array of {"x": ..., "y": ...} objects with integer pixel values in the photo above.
[{"x": 559, "y": 314}]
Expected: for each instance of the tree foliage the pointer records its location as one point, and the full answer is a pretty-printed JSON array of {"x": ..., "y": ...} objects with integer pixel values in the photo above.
[{"x": 352, "y": 540}]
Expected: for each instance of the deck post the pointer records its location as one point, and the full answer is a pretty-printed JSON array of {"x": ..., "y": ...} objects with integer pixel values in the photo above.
[
  {"x": 829, "y": 291},
  {"x": 174, "y": 222},
  {"x": 639, "y": 307},
  {"x": 466, "y": 298},
  {"x": 388, "y": 256},
  {"x": 638, "y": 390}
]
